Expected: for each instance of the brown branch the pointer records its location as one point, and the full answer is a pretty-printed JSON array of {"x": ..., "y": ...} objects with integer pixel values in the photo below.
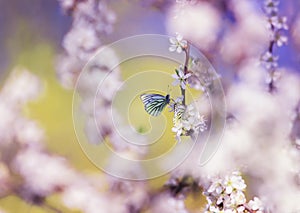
[{"x": 187, "y": 58}]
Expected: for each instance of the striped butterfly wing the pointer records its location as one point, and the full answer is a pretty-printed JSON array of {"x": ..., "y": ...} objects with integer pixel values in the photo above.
[{"x": 154, "y": 103}]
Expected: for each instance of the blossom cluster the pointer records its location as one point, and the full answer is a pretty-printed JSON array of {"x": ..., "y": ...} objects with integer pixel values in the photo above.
[
  {"x": 262, "y": 127},
  {"x": 259, "y": 125},
  {"x": 276, "y": 24},
  {"x": 228, "y": 195},
  {"x": 91, "y": 18},
  {"x": 187, "y": 119},
  {"x": 82, "y": 67},
  {"x": 28, "y": 170}
]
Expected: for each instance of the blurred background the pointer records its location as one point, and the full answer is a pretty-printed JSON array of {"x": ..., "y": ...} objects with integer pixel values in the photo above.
[{"x": 35, "y": 35}]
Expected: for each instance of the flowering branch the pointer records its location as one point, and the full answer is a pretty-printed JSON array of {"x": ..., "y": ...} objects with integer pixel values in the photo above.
[
  {"x": 276, "y": 24},
  {"x": 187, "y": 121},
  {"x": 187, "y": 58},
  {"x": 227, "y": 195}
]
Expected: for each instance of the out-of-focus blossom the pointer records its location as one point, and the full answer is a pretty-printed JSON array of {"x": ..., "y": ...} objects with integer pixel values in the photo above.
[
  {"x": 91, "y": 18},
  {"x": 186, "y": 1},
  {"x": 273, "y": 76},
  {"x": 29, "y": 133},
  {"x": 180, "y": 78},
  {"x": 178, "y": 44},
  {"x": 27, "y": 169},
  {"x": 243, "y": 100},
  {"x": 110, "y": 85},
  {"x": 125, "y": 167},
  {"x": 21, "y": 87},
  {"x": 138, "y": 191},
  {"x": 167, "y": 204},
  {"x": 81, "y": 41},
  {"x": 97, "y": 87},
  {"x": 8, "y": 118},
  {"x": 95, "y": 73},
  {"x": 178, "y": 206},
  {"x": 40, "y": 171},
  {"x": 280, "y": 39},
  {"x": 295, "y": 131},
  {"x": 199, "y": 23},
  {"x": 5, "y": 180},
  {"x": 296, "y": 31},
  {"x": 271, "y": 6},
  {"x": 122, "y": 142},
  {"x": 83, "y": 196},
  {"x": 256, "y": 205},
  {"x": 244, "y": 38},
  {"x": 269, "y": 60},
  {"x": 68, "y": 68},
  {"x": 67, "y": 4},
  {"x": 202, "y": 75},
  {"x": 278, "y": 22}
]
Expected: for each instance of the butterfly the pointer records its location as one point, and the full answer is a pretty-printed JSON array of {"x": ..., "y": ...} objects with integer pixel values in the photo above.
[{"x": 155, "y": 103}]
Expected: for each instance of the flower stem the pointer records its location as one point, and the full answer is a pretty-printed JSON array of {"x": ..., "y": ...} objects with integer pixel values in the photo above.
[
  {"x": 51, "y": 208},
  {"x": 272, "y": 71},
  {"x": 187, "y": 58}
]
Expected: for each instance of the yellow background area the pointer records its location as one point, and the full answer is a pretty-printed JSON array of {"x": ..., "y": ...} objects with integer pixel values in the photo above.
[{"x": 53, "y": 111}]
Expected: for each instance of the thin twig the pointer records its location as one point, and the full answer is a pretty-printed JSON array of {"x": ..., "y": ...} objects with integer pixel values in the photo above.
[
  {"x": 187, "y": 58},
  {"x": 51, "y": 208}
]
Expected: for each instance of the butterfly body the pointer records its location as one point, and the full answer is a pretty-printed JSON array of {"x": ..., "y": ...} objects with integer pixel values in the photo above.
[{"x": 155, "y": 103}]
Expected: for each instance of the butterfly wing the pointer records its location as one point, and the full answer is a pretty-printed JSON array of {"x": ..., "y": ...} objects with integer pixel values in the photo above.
[{"x": 154, "y": 103}]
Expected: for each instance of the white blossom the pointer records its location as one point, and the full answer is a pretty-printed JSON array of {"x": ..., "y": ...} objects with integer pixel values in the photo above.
[
  {"x": 188, "y": 121},
  {"x": 227, "y": 194},
  {"x": 200, "y": 23},
  {"x": 81, "y": 41},
  {"x": 167, "y": 204},
  {"x": 40, "y": 171},
  {"x": 234, "y": 181},
  {"x": 21, "y": 87},
  {"x": 177, "y": 205},
  {"x": 178, "y": 44},
  {"x": 280, "y": 39},
  {"x": 175, "y": 103},
  {"x": 66, "y": 4},
  {"x": 192, "y": 120},
  {"x": 180, "y": 78},
  {"x": 91, "y": 19},
  {"x": 271, "y": 6},
  {"x": 278, "y": 22},
  {"x": 178, "y": 129},
  {"x": 269, "y": 60},
  {"x": 202, "y": 75},
  {"x": 273, "y": 76},
  {"x": 256, "y": 205}
]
